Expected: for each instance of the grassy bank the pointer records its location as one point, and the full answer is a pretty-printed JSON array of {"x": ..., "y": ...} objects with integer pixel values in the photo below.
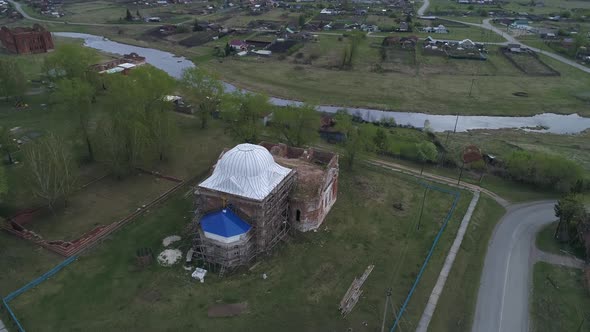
[
  {"x": 434, "y": 85},
  {"x": 560, "y": 301},
  {"x": 307, "y": 276},
  {"x": 456, "y": 306}
]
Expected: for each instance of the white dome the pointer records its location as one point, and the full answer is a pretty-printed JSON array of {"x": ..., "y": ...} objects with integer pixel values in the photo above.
[{"x": 247, "y": 170}]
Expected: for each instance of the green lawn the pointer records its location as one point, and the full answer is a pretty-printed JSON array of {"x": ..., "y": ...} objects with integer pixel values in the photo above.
[
  {"x": 456, "y": 305},
  {"x": 560, "y": 299},
  {"x": 307, "y": 276},
  {"x": 547, "y": 242}
]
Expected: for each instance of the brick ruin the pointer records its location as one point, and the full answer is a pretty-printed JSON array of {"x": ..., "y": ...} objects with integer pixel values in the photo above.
[
  {"x": 316, "y": 187},
  {"x": 26, "y": 40}
]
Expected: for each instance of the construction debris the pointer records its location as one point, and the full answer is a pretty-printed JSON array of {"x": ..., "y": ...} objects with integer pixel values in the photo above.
[
  {"x": 169, "y": 257},
  {"x": 354, "y": 292},
  {"x": 199, "y": 274},
  {"x": 170, "y": 239}
]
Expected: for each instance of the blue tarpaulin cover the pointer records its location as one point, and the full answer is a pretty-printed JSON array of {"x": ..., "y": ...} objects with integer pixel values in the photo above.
[{"x": 224, "y": 223}]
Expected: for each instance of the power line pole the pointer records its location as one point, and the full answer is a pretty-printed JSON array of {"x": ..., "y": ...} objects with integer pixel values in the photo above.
[
  {"x": 422, "y": 208},
  {"x": 387, "y": 298}
]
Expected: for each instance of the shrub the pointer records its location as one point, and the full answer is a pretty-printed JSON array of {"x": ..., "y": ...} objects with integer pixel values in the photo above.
[{"x": 543, "y": 170}]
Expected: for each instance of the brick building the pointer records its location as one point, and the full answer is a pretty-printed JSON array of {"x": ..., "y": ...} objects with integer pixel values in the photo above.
[
  {"x": 26, "y": 40},
  {"x": 255, "y": 194}
]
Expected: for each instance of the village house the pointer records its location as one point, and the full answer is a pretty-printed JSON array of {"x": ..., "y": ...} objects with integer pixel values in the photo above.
[
  {"x": 238, "y": 45},
  {"x": 255, "y": 194},
  {"x": 26, "y": 40}
]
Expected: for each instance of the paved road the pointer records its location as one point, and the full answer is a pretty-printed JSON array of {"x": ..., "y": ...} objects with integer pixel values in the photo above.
[
  {"x": 423, "y": 8},
  {"x": 503, "y": 297},
  {"x": 19, "y": 9}
]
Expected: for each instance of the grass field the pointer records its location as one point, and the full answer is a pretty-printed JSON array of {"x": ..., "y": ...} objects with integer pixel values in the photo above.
[
  {"x": 503, "y": 142},
  {"x": 302, "y": 292},
  {"x": 441, "y": 85},
  {"x": 560, "y": 304},
  {"x": 101, "y": 203},
  {"x": 546, "y": 242},
  {"x": 456, "y": 306},
  {"x": 549, "y": 7}
]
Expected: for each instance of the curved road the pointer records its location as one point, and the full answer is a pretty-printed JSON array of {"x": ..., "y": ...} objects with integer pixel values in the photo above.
[
  {"x": 423, "y": 7},
  {"x": 503, "y": 297},
  {"x": 19, "y": 9}
]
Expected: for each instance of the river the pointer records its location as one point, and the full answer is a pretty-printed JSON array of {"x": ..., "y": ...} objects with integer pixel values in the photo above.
[{"x": 174, "y": 66}]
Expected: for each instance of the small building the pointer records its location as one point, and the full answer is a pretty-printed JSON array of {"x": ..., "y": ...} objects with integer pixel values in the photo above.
[
  {"x": 441, "y": 29},
  {"x": 404, "y": 27},
  {"x": 26, "y": 40},
  {"x": 238, "y": 45}
]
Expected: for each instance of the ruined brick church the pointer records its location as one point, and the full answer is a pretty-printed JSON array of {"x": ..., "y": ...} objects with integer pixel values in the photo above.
[
  {"x": 255, "y": 195},
  {"x": 26, "y": 40}
]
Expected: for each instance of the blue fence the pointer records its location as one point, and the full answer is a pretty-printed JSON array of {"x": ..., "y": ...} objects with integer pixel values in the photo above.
[
  {"x": 457, "y": 196},
  {"x": 30, "y": 285}
]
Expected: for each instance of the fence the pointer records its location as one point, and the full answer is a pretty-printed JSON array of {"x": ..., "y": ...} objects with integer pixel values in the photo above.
[
  {"x": 457, "y": 196},
  {"x": 88, "y": 243},
  {"x": 30, "y": 285}
]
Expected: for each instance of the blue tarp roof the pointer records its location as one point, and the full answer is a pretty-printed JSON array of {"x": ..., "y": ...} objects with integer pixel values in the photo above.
[{"x": 224, "y": 223}]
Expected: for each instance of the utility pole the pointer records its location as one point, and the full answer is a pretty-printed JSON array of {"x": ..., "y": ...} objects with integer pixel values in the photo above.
[
  {"x": 471, "y": 87},
  {"x": 461, "y": 173},
  {"x": 387, "y": 298},
  {"x": 422, "y": 208}
]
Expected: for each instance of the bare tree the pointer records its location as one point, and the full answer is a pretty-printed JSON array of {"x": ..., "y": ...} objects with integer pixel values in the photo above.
[{"x": 50, "y": 169}]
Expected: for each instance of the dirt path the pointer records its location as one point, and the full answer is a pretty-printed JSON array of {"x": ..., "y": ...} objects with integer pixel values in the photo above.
[
  {"x": 439, "y": 178},
  {"x": 562, "y": 260}
]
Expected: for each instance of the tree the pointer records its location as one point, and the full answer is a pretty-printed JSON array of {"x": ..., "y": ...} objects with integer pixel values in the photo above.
[
  {"x": 244, "y": 111},
  {"x": 569, "y": 210},
  {"x": 196, "y": 26},
  {"x": 3, "y": 184},
  {"x": 50, "y": 169},
  {"x": 128, "y": 16},
  {"x": 204, "y": 90},
  {"x": 296, "y": 125},
  {"x": 356, "y": 137},
  {"x": 12, "y": 79},
  {"x": 543, "y": 170},
  {"x": 228, "y": 49},
  {"x": 138, "y": 126},
  {"x": 7, "y": 144},
  {"x": 301, "y": 20},
  {"x": 138, "y": 14},
  {"x": 427, "y": 152},
  {"x": 71, "y": 61},
  {"x": 76, "y": 96},
  {"x": 380, "y": 140}
]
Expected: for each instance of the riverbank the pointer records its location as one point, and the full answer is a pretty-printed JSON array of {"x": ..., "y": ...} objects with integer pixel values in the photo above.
[
  {"x": 433, "y": 85},
  {"x": 174, "y": 66}
]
